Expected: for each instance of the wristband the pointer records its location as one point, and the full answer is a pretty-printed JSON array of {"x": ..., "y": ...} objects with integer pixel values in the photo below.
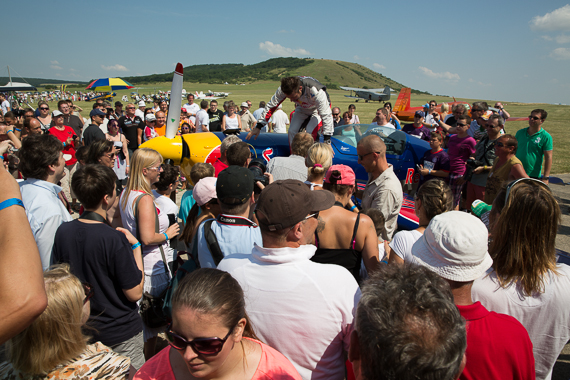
[
  {"x": 64, "y": 144},
  {"x": 11, "y": 202},
  {"x": 429, "y": 172},
  {"x": 166, "y": 236},
  {"x": 353, "y": 207},
  {"x": 9, "y": 130},
  {"x": 1, "y": 158},
  {"x": 136, "y": 245},
  {"x": 19, "y": 130}
]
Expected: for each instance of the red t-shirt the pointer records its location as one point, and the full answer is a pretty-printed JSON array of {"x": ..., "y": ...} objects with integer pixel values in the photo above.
[
  {"x": 272, "y": 365},
  {"x": 63, "y": 136},
  {"x": 218, "y": 167},
  {"x": 498, "y": 346}
]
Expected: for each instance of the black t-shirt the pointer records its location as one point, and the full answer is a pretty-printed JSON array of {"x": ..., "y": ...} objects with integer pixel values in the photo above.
[
  {"x": 215, "y": 120},
  {"x": 129, "y": 128},
  {"x": 92, "y": 134},
  {"x": 102, "y": 257},
  {"x": 451, "y": 121}
]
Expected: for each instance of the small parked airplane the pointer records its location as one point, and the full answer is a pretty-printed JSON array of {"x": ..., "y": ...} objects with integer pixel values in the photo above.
[{"x": 374, "y": 94}]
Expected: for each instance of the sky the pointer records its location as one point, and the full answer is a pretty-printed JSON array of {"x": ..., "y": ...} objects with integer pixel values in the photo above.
[{"x": 505, "y": 50}]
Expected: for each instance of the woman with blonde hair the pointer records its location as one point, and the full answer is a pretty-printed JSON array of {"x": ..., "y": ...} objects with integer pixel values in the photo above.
[
  {"x": 211, "y": 336},
  {"x": 525, "y": 281},
  {"x": 140, "y": 215},
  {"x": 318, "y": 161},
  {"x": 433, "y": 198},
  {"x": 54, "y": 346}
]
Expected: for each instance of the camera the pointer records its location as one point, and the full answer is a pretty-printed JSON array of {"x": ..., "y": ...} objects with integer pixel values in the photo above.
[
  {"x": 471, "y": 165},
  {"x": 258, "y": 168},
  {"x": 18, "y": 112}
]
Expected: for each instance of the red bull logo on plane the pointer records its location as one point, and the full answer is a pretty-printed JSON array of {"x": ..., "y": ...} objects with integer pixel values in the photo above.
[
  {"x": 267, "y": 154},
  {"x": 213, "y": 155}
]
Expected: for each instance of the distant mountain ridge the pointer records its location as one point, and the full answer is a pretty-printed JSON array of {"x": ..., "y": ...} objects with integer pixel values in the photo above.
[{"x": 332, "y": 73}]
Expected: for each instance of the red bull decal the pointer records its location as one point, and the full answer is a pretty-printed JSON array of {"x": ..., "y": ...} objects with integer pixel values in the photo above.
[
  {"x": 213, "y": 155},
  {"x": 267, "y": 154},
  {"x": 409, "y": 176}
]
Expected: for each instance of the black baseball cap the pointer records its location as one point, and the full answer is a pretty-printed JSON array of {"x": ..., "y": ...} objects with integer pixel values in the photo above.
[{"x": 235, "y": 185}]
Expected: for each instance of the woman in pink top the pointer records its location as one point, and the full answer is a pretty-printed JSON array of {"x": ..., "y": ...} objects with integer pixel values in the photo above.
[{"x": 211, "y": 337}]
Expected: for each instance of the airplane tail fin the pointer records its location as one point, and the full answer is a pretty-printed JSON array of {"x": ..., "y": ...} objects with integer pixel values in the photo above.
[
  {"x": 403, "y": 101},
  {"x": 386, "y": 90}
]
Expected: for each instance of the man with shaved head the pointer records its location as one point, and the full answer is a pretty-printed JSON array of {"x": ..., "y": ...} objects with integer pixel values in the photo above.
[
  {"x": 383, "y": 190},
  {"x": 33, "y": 126}
]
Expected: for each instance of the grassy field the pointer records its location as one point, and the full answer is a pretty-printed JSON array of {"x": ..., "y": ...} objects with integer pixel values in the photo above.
[{"x": 557, "y": 115}]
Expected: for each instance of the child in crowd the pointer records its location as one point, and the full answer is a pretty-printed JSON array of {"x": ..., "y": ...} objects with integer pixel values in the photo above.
[{"x": 199, "y": 171}]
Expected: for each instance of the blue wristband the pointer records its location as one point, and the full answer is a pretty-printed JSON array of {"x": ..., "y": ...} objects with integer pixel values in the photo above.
[
  {"x": 136, "y": 245},
  {"x": 19, "y": 130},
  {"x": 352, "y": 208},
  {"x": 166, "y": 236},
  {"x": 11, "y": 202}
]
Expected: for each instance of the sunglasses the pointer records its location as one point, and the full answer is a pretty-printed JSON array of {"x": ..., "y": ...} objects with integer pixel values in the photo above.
[
  {"x": 204, "y": 346},
  {"x": 315, "y": 215},
  {"x": 500, "y": 144},
  {"x": 89, "y": 292},
  {"x": 533, "y": 117},
  {"x": 130, "y": 108},
  {"x": 512, "y": 184},
  {"x": 336, "y": 114},
  {"x": 461, "y": 125},
  {"x": 159, "y": 168},
  {"x": 362, "y": 157},
  {"x": 44, "y": 108}
]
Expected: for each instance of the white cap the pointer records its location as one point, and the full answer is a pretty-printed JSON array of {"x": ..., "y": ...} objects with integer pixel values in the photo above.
[
  {"x": 244, "y": 104},
  {"x": 56, "y": 113},
  {"x": 142, "y": 103},
  {"x": 150, "y": 117}
]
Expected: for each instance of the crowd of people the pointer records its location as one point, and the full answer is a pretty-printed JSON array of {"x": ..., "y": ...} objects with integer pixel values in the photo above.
[{"x": 296, "y": 275}]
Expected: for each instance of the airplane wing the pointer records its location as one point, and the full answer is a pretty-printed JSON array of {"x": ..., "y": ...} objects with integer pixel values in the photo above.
[{"x": 352, "y": 88}]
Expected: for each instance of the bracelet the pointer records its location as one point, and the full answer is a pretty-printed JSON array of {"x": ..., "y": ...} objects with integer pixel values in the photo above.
[
  {"x": 429, "y": 172},
  {"x": 19, "y": 130},
  {"x": 136, "y": 245},
  {"x": 353, "y": 207},
  {"x": 8, "y": 131},
  {"x": 166, "y": 236},
  {"x": 11, "y": 202}
]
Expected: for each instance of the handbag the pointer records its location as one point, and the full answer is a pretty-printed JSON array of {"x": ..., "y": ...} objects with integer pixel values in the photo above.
[{"x": 151, "y": 307}]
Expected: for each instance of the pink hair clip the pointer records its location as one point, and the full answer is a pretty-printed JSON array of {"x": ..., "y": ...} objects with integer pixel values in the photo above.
[{"x": 318, "y": 166}]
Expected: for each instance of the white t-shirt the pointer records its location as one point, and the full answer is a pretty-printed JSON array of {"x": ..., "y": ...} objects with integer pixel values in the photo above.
[
  {"x": 168, "y": 207},
  {"x": 232, "y": 122},
  {"x": 281, "y": 121},
  {"x": 5, "y": 106},
  {"x": 202, "y": 118},
  {"x": 192, "y": 110},
  {"x": 546, "y": 316},
  {"x": 402, "y": 244},
  {"x": 139, "y": 113}
]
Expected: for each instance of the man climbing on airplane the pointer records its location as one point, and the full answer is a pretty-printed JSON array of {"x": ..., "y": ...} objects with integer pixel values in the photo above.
[{"x": 312, "y": 105}]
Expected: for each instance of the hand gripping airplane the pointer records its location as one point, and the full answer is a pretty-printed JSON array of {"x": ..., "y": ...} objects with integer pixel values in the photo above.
[{"x": 374, "y": 94}]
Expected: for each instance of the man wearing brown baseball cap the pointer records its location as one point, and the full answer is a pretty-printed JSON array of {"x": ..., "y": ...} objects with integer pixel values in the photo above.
[{"x": 287, "y": 295}]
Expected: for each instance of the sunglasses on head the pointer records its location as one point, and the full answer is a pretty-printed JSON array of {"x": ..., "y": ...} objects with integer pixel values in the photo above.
[
  {"x": 512, "y": 184},
  {"x": 204, "y": 346}
]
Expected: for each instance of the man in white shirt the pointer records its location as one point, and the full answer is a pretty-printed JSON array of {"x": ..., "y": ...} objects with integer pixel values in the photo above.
[
  {"x": 4, "y": 104},
  {"x": 192, "y": 108},
  {"x": 140, "y": 111},
  {"x": 279, "y": 121},
  {"x": 42, "y": 164},
  {"x": 301, "y": 308},
  {"x": 202, "y": 118},
  {"x": 382, "y": 119}
]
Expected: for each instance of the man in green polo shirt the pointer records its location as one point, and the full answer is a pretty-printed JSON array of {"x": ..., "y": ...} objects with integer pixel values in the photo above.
[{"x": 534, "y": 143}]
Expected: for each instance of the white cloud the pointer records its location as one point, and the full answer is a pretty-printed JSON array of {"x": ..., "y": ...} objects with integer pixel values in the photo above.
[
  {"x": 563, "y": 39},
  {"x": 56, "y": 67},
  {"x": 447, "y": 76},
  {"x": 560, "y": 53},
  {"x": 558, "y": 19},
  {"x": 378, "y": 66},
  {"x": 114, "y": 68},
  {"x": 356, "y": 58},
  {"x": 54, "y": 62},
  {"x": 281, "y": 51},
  {"x": 546, "y": 38},
  {"x": 471, "y": 80}
]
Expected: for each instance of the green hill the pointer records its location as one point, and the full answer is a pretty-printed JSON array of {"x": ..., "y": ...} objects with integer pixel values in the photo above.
[
  {"x": 329, "y": 72},
  {"x": 38, "y": 82}
]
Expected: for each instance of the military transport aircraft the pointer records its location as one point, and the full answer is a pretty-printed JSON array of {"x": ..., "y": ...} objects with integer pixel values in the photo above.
[{"x": 373, "y": 94}]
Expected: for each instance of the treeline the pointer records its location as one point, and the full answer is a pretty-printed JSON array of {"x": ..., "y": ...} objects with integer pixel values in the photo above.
[{"x": 271, "y": 70}]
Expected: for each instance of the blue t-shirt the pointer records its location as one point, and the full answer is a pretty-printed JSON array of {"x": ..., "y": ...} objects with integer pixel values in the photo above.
[
  {"x": 435, "y": 161},
  {"x": 186, "y": 204}
]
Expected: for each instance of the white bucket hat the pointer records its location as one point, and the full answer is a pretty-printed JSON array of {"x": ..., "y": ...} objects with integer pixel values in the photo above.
[{"x": 454, "y": 245}]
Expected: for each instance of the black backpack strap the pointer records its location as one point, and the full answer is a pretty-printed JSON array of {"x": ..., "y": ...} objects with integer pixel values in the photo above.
[{"x": 212, "y": 241}]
